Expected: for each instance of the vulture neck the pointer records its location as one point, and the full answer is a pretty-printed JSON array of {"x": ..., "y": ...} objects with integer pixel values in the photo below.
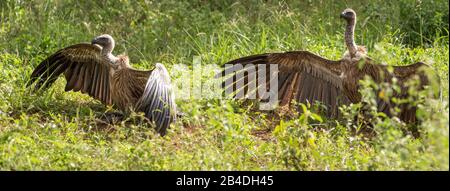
[
  {"x": 349, "y": 37},
  {"x": 107, "y": 52}
]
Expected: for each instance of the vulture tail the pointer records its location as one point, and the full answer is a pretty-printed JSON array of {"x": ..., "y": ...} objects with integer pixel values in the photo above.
[{"x": 158, "y": 100}]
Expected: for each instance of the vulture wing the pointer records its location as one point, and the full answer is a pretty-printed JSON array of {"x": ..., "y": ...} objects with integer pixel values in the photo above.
[
  {"x": 303, "y": 76},
  {"x": 419, "y": 71},
  {"x": 158, "y": 100},
  {"x": 408, "y": 71},
  {"x": 85, "y": 69}
]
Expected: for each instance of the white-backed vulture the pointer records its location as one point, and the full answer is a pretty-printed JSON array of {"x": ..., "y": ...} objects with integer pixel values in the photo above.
[
  {"x": 304, "y": 76},
  {"x": 93, "y": 69}
]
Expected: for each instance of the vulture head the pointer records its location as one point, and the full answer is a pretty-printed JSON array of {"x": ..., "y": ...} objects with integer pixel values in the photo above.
[
  {"x": 349, "y": 15},
  {"x": 105, "y": 41}
]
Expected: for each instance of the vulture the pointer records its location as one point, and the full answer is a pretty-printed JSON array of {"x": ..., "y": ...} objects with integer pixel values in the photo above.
[
  {"x": 307, "y": 77},
  {"x": 92, "y": 69}
]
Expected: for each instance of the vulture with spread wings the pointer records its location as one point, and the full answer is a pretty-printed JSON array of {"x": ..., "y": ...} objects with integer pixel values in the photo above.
[
  {"x": 93, "y": 69},
  {"x": 306, "y": 77}
]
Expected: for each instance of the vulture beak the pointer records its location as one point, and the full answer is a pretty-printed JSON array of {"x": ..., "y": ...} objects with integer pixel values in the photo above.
[
  {"x": 342, "y": 15},
  {"x": 94, "y": 41}
]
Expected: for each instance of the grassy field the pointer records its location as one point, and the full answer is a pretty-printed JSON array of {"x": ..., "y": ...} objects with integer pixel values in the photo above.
[{"x": 55, "y": 130}]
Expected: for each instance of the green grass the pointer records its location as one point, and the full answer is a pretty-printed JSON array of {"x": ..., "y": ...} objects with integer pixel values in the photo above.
[{"x": 57, "y": 130}]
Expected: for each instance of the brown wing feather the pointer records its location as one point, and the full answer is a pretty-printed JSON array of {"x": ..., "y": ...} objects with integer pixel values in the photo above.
[
  {"x": 84, "y": 68},
  {"x": 420, "y": 71},
  {"x": 302, "y": 76}
]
